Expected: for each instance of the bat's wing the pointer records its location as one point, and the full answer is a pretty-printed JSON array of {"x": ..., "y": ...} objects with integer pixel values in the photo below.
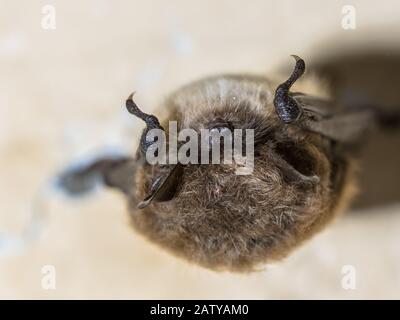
[
  {"x": 116, "y": 172},
  {"x": 119, "y": 173},
  {"x": 334, "y": 121}
]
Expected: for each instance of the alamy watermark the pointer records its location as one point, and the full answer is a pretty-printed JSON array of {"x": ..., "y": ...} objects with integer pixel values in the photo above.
[
  {"x": 48, "y": 277},
  {"x": 190, "y": 147},
  {"x": 349, "y": 17},
  {"x": 349, "y": 277},
  {"x": 48, "y": 21}
]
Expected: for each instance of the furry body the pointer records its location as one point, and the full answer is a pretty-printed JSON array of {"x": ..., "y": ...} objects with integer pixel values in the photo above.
[{"x": 223, "y": 221}]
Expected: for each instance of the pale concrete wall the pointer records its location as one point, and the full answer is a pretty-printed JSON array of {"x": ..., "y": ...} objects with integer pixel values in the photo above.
[{"x": 62, "y": 95}]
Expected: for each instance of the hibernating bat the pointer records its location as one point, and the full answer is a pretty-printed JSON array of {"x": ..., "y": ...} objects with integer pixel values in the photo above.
[{"x": 303, "y": 173}]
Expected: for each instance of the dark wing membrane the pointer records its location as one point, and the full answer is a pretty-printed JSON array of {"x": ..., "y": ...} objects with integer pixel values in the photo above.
[
  {"x": 164, "y": 186},
  {"x": 334, "y": 121},
  {"x": 115, "y": 172}
]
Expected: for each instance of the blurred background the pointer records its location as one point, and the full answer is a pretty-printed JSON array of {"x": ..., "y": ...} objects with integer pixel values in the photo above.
[{"x": 66, "y": 69}]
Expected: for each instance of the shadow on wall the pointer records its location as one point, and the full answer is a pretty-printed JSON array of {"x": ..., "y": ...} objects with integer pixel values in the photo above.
[{"x": 372, "y": 77}]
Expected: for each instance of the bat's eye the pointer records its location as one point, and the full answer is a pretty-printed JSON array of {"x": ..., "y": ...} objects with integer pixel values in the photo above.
[
  {"x": 220, "y": 130},
  {"x": 220, "y": 124},
  {"x": 220, "y": 136},
  {"x": 220, "y": 133}
]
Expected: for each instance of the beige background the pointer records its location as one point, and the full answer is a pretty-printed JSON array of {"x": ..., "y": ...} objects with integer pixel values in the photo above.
[{"x": 61, "y": 98}]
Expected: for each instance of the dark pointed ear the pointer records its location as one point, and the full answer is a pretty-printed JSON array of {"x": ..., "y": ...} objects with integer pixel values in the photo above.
[
  {"x": 347, "y": 125},
  {"x": 164, "y": 186},
  {"x": 150, "y": 120},
  {"x": 286, "y": 107}
]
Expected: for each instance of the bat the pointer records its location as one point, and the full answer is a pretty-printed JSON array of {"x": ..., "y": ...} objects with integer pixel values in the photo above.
[{"x": 303, "y": 174}]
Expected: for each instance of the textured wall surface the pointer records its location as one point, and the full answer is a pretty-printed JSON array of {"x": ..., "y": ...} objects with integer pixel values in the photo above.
[{"x": 61, "y": 99}]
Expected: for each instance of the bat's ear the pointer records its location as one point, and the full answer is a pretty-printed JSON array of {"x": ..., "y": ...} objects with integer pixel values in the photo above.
[
  {"x": 285, "y": 106},
  {"x": 164, "y": 186}
]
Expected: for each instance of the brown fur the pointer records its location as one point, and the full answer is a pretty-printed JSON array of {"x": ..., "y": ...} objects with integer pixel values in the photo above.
[{"x": 225, "y": 221}]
